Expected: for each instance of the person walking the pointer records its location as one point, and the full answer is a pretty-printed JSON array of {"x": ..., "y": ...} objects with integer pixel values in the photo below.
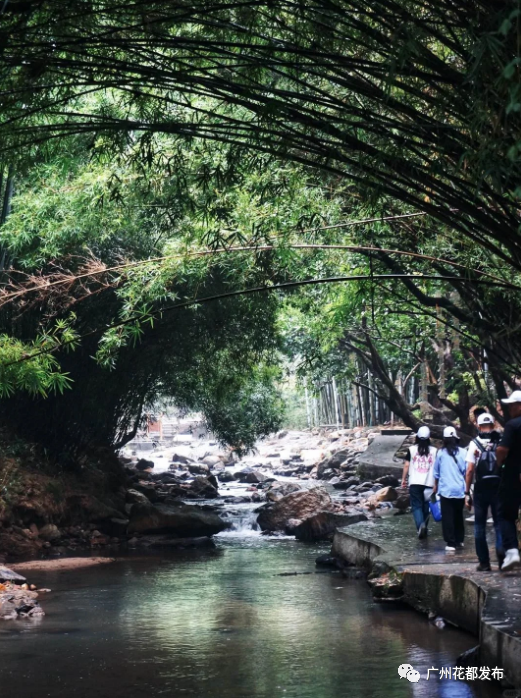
[
  {"x": 418, "y": 466},
  {"x": 482, "y": 466},
  {"x": 449, "y": 482},
  {"x": 508, "y": 455}
]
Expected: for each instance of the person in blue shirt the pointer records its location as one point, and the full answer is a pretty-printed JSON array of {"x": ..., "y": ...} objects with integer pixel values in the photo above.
[{"x": 449, "y": 482}]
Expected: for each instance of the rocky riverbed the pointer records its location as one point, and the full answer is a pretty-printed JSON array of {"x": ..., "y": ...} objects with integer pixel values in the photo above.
[
  {"x": 298, "y": 483},
  {"x": 18, "y": 599}
]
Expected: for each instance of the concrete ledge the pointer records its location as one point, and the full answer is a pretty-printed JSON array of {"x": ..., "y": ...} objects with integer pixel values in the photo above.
[
  {"x": 486, "y": 605},
  {"x": 355, "y": 550},
  {"x": 456, "y": 598}
]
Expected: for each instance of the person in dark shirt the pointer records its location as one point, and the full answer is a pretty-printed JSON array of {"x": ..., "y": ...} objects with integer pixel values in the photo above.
[
  {"x": 482, "y": 467},
  {"x": 508, "y": 457}
]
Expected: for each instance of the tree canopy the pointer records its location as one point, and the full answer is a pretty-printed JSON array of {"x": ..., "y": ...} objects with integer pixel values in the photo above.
[{"x": 192, "y": 193}]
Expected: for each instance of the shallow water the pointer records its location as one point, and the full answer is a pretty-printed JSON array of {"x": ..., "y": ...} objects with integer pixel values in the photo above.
[{"x": 227, "y": 623}]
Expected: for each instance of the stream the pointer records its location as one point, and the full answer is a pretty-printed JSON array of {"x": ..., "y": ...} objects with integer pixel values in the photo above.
[{"x": 252, "y": 618}]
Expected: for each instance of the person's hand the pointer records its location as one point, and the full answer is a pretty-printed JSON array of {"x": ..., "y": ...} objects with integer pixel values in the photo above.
[
  {"x": 403, "y": 482},
  {"x": 468, "y": 501}
]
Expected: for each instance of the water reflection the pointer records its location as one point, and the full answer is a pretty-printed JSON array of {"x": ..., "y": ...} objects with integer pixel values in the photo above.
[{"x": 224, "y": 624}]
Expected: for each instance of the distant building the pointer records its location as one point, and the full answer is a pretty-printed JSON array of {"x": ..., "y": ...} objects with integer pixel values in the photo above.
[{"x": 155, "y": 427}]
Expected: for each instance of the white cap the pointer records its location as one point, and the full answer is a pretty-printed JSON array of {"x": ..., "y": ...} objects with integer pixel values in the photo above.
[
  {"x": 515, "y": 397},
  {"x": 423, "y": 433},
  {"x": 449, "y": 432},
  {"x": 485, "y": 418}
]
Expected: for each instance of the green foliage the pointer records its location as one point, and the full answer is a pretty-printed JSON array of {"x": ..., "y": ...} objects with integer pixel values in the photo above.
[
  {"x": 32, "y": 368},
  {"x": 238, "y": 410},
  {"x": 129, "y": 254},
  {"x": 418, "y": 102}
]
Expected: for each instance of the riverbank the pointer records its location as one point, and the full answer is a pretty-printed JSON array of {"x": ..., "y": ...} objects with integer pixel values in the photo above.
[{"x": 422, "y": 575}]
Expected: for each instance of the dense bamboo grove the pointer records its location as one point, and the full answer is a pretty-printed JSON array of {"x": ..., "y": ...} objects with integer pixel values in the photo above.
[{"x": 329, "y": 182}]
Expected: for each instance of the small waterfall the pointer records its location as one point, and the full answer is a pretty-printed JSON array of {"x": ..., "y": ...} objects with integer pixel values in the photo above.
[{"x": 243, "y": 520}]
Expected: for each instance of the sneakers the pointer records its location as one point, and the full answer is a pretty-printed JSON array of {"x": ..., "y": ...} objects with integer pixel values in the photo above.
[
  {"x": 511, "y": 560},
  {"x": 422, "y": 531},
  {"x": 450, "y": 549},
  {"x": 484, "y": 568}
]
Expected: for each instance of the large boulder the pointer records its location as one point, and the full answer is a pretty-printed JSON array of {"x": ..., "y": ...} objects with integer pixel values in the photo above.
[
  {"x": 182, "y": 520},
  {"x": 322, "y": 526},
  {"x": 297, "y": 505}
]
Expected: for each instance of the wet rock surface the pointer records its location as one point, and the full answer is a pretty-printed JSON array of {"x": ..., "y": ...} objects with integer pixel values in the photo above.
[
  {"x": 297, "y": 506},
  {"x": 179, "y": 519},
  {"x": 17, "y": 599},
  {"x": 322, "y": 526}
]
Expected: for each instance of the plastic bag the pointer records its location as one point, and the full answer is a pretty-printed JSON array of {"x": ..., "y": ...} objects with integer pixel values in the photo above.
[{"x": 435, "y": 508}]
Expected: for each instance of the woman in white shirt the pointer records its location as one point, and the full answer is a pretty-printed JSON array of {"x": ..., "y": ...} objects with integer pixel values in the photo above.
[{"x": 419, "y": 465}]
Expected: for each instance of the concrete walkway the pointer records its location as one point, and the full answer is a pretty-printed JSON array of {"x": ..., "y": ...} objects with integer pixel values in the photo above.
[{"x": 487, "y": 604}]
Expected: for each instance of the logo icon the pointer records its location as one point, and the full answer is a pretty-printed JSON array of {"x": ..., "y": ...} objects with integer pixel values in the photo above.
[{"x": 407, "y": 671}]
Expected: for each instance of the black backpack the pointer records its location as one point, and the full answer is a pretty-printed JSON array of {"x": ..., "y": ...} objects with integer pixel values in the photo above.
[{"x": 486, "y": 467}]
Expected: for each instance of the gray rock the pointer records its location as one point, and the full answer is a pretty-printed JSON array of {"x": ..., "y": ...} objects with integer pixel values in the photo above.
[
  {"x": 278, "y": 490},
  {"x": 251, "y": 477},
  {"x": 199, "y": 468},
  {"x": 211, "y": 460},
  {"x": 136, "y": 497},
  {"x": 331, "y": 463},
  {"x": 322, "y": 526},
  {"x": 181, "y": 520},
  {"x": 203, "y": 487},
  {"x": 297, "y": 505},
  {"x": 227, "y": 476},
  {"x": 50, "y": 532}
]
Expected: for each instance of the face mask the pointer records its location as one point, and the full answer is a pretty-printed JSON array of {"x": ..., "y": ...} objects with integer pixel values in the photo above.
[{"x": 489, "y": 435}]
